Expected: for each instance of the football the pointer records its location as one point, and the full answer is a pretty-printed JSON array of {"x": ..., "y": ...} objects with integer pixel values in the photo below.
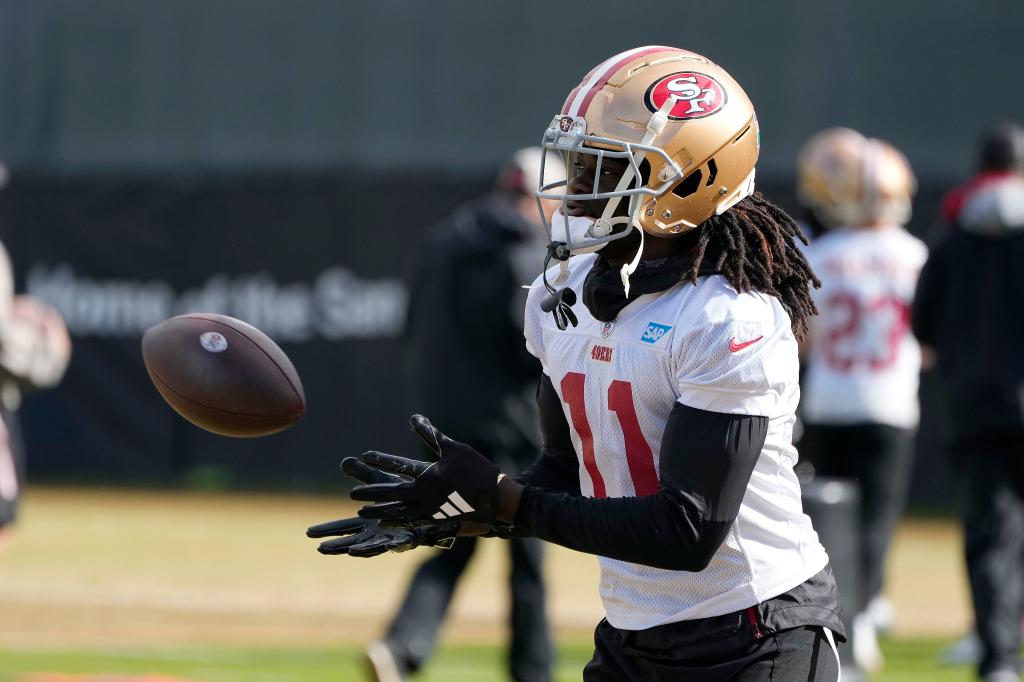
[{"x": 223, "y": 375}]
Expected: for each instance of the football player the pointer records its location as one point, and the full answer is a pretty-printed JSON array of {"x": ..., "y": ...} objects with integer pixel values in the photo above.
[
  {"x": 859, "y": 403},
  {"x": 35, "y": 349},
  {"x": 667, "y": 398}
]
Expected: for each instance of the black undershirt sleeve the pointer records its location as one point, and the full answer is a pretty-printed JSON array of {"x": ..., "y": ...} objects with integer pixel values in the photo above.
[
  {"x": 706, "y": 461},
  {"x": 557, "y": 467}
]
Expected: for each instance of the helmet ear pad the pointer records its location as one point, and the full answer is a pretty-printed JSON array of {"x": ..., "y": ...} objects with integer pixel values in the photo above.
[{"x": 702, "y": 191}]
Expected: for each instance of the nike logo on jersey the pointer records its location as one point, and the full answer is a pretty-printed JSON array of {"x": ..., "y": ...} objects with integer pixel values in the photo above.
[
  {"x": 736, "y": 347},
  {"x": 455, "y": 506}
]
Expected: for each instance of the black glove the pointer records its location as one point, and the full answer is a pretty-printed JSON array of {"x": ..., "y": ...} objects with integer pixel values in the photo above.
[
  {"x": 365, "y": 538},
  {"x": 462, "y": 485}
]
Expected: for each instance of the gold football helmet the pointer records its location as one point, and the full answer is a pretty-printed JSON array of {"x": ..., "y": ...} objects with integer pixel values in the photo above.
[
  {"x": 686, "y": 127},
  {"x": 849, "y": 180}
]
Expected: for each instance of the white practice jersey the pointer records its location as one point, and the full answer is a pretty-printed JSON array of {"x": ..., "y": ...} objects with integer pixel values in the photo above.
[
  {"x": 709, "y": 348},
  {"x": 864, "y": 362}
]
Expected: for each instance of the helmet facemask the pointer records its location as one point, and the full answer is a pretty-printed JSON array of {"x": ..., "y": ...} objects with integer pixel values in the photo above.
[{"x": 567, "y": 136}]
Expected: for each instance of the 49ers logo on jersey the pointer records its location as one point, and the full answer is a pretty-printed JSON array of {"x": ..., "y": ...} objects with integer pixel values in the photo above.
[{"x": 696, "y": 95}]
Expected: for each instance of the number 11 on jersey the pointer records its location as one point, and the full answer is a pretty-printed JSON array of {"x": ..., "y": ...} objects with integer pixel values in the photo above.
[{"x": 639, "y": 457}]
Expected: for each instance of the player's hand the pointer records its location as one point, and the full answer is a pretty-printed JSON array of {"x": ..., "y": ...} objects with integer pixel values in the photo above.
[
  {"x": 462, "y": 485},
  {"x": 365, "y": 538}
]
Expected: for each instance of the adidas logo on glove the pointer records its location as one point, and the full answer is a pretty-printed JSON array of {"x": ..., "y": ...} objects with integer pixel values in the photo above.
[{"x": 453, "y": 507}]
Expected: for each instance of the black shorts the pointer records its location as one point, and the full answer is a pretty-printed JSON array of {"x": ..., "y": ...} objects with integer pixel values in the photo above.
[{"x": 720, "y": 651}]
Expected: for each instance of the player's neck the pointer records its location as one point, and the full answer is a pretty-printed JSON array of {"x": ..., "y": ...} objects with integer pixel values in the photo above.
[{"x": 654, "y": 248}]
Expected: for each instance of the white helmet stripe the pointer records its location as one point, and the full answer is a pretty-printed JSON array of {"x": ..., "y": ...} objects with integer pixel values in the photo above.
[{"x": 600, "y": 75}]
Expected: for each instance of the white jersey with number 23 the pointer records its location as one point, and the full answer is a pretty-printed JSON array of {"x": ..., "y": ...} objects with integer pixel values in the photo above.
[{"x": 864, "y": 362}]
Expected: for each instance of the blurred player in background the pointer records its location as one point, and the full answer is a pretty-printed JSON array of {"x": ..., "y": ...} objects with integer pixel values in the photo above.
[
  {"x": 668, "y": 397},
  {"x": 34, "y": 352},
  {"x": 817, "y": 161},
  {"x": 467, "y": 364},
  {"x": 862, "y": 365},
  {"x": 969, "y": 312}
]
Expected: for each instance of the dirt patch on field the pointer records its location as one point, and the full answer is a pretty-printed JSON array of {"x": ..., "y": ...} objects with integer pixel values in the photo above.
[{"x": 98, "y": 567}]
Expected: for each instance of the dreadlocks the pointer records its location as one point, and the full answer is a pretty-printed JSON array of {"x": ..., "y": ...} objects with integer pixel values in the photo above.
[{"x": 753, "y": 246}]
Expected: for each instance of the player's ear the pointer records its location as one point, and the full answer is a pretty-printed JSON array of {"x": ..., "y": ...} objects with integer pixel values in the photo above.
[{"x": 428, "y": 433}]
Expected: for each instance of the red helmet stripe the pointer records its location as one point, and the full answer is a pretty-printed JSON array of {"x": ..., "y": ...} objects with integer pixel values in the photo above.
[{"x": 581, "y": 96}]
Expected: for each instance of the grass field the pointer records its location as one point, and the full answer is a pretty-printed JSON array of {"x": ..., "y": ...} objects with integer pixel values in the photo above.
[
  {"x": 908, "y": 661},
  {"x": 190, "y": 586}
]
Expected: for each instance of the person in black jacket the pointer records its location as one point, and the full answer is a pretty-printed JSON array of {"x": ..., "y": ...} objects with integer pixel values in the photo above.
[
  {"x": 969, "y": 314},
  {"x": 466, "y": 364}
]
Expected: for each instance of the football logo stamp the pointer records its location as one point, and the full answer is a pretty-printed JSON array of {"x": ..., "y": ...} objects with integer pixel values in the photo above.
[
  {"x": 213, "y": 342},
  {"x": 696, "y": 95}
]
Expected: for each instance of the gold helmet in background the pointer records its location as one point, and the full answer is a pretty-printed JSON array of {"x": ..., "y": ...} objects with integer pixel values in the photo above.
[
  {"x": 849, "y": 180},
  {"x": 686, "y": 127}
]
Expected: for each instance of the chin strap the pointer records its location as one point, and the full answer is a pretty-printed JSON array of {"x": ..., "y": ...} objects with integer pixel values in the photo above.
[
  {"x": 563, "y": 273},
  {"x": 629, "y": 268},
  {"x": 654, "y": 128}
]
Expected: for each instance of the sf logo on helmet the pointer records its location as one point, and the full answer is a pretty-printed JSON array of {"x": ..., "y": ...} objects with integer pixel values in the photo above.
[{"x": 696, "y": 95}]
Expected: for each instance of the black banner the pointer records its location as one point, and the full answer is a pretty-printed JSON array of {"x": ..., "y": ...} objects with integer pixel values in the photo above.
[{"x": 318, "y": 263}]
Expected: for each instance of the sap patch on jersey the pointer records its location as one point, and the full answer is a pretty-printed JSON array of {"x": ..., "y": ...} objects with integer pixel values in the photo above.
[{"x": 654, "y": 332}]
